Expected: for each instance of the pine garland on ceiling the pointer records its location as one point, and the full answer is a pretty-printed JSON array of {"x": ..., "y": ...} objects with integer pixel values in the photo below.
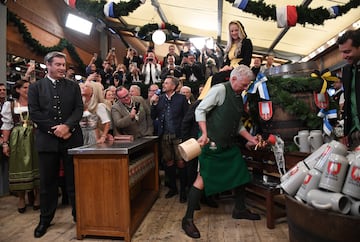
[
  {"x": 259, "y": 8},
  {"x": 96, "y": 8},
  {"x": 149, "y": 28},
  {"x": 40, "y": 49},
  {"x": 315, "y": 16}
]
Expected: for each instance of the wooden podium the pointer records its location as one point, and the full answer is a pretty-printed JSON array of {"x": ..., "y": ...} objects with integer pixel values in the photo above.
[{"x": 116, "y": 185}]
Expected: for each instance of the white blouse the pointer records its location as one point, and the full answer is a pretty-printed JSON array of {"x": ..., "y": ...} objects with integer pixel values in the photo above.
[{"x": 7, "y": 119}]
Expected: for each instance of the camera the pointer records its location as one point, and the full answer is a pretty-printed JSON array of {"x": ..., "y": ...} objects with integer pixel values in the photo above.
[
  {"x": 137, "y": 107},
  {"x": 158, "y": 92},
  {"x": 119, "y": 75},
  {"x": 150, "y": 59}
]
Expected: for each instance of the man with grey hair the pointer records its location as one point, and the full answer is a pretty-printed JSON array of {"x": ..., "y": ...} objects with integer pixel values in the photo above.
[
  {"x": 221, "y": 164},
  {"x": 135, "y": 90},
  {"x": 131, "y": 115},
  {"x": 56, "y": 107},
  {"x": 186, "y": 91}
]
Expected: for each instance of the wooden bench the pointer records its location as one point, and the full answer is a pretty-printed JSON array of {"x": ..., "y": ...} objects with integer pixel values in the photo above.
[{"x": 263, "y": 191}]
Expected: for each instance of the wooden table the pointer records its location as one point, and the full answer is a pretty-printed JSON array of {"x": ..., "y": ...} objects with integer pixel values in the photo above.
[{"x": 116, "y": 185}]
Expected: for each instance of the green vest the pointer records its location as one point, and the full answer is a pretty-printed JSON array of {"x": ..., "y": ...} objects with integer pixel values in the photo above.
[{"x": 223, "y": 121}]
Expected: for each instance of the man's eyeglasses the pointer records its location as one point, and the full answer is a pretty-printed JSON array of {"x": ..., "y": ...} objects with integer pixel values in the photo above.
[{"x": 124, "y": 96}]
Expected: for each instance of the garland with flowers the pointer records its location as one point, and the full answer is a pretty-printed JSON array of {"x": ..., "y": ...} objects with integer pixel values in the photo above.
[
  {"x": 305, "y": 15},
  {"x": 41, "y": 49}
]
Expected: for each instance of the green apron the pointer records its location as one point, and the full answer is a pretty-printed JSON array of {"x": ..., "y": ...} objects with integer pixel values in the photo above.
[{"x": 224, "y": 168}]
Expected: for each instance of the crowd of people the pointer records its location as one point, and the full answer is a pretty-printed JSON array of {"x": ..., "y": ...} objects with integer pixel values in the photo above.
[{"x": 144, "y": 96}]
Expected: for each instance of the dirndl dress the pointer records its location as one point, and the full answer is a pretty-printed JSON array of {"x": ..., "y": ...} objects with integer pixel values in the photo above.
[{"x": 23, "y": 161}]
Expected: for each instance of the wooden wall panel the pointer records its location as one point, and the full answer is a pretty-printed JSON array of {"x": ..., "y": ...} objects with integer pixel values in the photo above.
[
  {"x": 16, "y": 45},
  {"x": 45, "y": 21}
]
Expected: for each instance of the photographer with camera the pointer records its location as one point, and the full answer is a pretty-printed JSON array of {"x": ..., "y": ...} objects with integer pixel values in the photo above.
[
  {"x": 132, "y": 58},
  {"x": 107, "y": 73},
  {"x": 111, "y": 58},
  {"x": 171, "y": 69},
  {"x": 193, "y": 71},
  {"x": 119, "y": 76},
  {"x": 134, "y": 75},
  {"x": 131, "y": 115},
  {"x": 151, "y": 69}
]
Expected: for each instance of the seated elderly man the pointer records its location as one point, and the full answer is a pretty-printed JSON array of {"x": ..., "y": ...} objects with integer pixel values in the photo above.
[{"x": 131, "y": 115}]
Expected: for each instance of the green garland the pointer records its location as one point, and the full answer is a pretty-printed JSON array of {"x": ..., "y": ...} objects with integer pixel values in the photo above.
[
  {"x": 282, "y": 93},
  {"x": 149, "y": 28},
  {"x": 41, "y": 49},
  {"x": 305, "y": 15},
  {"x": 96, "y": 8},
  {"x": 259, "y": 8}
]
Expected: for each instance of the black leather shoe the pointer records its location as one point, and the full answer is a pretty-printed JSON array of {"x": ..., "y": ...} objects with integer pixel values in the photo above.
[
  {"x": 245, "y": 214},
  {"x": 22, "y": 210},
  {"x": 40, "y": 230},
  {"x": 171, "y": 193},
  {"x": 190, "y": 229},
  {"x": 36, "y": 207}
]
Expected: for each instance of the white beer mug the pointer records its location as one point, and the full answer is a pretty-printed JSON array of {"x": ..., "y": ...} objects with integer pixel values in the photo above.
[
  {"x": 315, "y": 139},
  {"x": 329, "y": 200},
  {"x": 310, "y": 182},
  {"x": 334, "y": 147},
  {"x": 334, "y": 173},
  {"x": 189, "y": 149},
  {"x": 355, "y": 207},
  {"x": 352, "y": 181},
  {"x": 295, "y": 178},
  {"x": 314, "y": 157},
  {"x": 301, "y": 140}
]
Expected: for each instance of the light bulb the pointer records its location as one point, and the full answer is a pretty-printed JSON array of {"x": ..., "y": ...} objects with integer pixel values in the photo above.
[{"x": 159, "y": 37}]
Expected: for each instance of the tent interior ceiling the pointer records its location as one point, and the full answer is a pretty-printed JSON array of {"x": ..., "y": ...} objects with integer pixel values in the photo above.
[{"x": 200, "y": 18}]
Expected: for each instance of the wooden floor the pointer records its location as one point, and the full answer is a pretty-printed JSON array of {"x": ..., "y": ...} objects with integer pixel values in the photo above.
[{"x": 163, "y": 223}]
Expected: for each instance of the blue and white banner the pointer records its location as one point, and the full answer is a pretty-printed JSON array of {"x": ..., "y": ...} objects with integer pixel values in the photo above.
[
  {"x": 240, "y": 4},
  {"x": 326, "y": 115},
  {"x": 260, "y": 85},
  {"x": 109, "y": 10}
]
